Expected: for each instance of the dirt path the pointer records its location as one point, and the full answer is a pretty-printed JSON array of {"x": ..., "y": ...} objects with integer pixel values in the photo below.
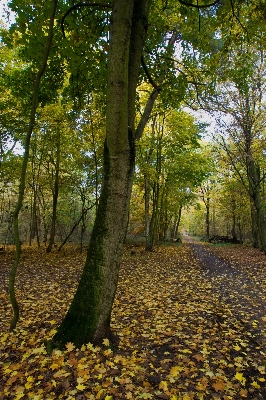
[{"x": 238, "y": 290}]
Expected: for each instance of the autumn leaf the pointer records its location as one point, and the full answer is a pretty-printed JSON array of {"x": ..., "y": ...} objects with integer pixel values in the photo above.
[
  {"x": 106, "y": 342},
  {"x": 219, "y": 386},
  {"x": 146, "y": 396},
  {"x": 239, "y": 376},
  {"x": 80, "y": 386},
  {"x": 255, "y": 384},
  {"x": 175, "y": 371},
  {"x": 163, "y": 386},
  {"x": 70, "y": 346},
  {"x": 183, "y": 344}
]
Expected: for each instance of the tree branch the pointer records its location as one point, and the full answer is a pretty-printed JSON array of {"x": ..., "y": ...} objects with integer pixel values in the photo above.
[
  {"x": 149, "y": 75},
  {"x": 236, "y": 17},
  {"x": 184, "y": 3},
  {"x": 78, "y": 5}
]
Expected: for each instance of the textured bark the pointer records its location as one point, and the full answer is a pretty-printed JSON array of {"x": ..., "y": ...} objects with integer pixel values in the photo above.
[
  {"x": 88, "y": 319},
  {"x": 255, "y": 194}
]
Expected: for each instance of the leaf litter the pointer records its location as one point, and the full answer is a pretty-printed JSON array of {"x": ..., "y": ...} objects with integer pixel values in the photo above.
[{"x": 180, "y": 337}]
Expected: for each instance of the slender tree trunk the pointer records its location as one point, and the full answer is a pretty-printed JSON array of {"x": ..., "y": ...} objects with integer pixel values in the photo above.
[
  {"x": 147, "y": 211},
  {"x": 177, "y": 221},
  {"x": 233, "y": 230},
  {"x": 55, "y": 192},
  {"x": 153, "y": 229},
  {"x": 207, "y": 205},
  {"x": 81, "y": 218},
  {"x": 88, "y": 318},
  {"x": 12, "y": 275}
]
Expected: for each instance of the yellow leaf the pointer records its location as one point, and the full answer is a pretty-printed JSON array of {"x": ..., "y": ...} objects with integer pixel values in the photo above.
[
  {"x": 163, "y": 386},
  {"x": 237, "y": 348},
  {"x": 70, "y": 346},
  {"x": 4, "y": 337},
  {"x": 175, "y": 370},
  {"x": 108, "y": 397},
  {"x": 201, "y": 386},
  {"x": 19, "y": 396},
  {"x": 240, "y": 378},
  {"x": 80, "y": 386},
  {"x": 28, "y": 385},
  {"x": 107, "y": 352},
  {"x": 98, "y": 396},
  {"x": 39, "y": 350},
  {"x": 54, "y": 366},
  {"x": 106, "y": 342},
  {"x": 255, "y": 384}
]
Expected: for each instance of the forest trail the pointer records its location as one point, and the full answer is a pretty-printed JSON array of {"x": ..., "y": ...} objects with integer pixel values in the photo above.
[
  {"x": 238, "y": 289},
  {"x": 190, "y": 326}
]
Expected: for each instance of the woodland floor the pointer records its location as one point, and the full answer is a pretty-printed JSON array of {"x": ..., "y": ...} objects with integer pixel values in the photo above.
[{"x": 191, "y": 326}]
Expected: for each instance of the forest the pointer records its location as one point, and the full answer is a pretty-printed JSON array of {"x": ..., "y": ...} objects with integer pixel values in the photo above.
[{"x": 126, "y": 128}]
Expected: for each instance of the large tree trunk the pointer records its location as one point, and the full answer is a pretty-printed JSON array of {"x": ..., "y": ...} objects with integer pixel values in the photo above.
[
  {"x": 88, "y": 319},
  {"x": 258, "y": 216}
]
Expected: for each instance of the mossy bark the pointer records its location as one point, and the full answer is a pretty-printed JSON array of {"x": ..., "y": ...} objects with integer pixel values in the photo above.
[{"x": 88, "y": 319}]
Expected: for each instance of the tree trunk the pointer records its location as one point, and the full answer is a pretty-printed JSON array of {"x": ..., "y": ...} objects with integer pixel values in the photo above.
[
  {"x": 55, "y": 192},
  {"x": 207, "y": 205},
  {"x": 154, "y": 217},
  {"x": 12, "y": 275},
  {"x": 259, "y": 227},
  {"x": 88, "y": 318},
  {"x": 233, "y": 230},
  {"x": 177, "y": 222},
  {"x": 147, "y": 212}
]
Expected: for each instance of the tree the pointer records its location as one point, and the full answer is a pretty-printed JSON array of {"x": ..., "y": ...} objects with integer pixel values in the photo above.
[
  {"x": 234, "y": 86},
  {"x": 242, "y": 100},
  {"x": 170, "y": 161},
  {"x": 88, "y": 318},
  {"x": 34, "y": 105}
]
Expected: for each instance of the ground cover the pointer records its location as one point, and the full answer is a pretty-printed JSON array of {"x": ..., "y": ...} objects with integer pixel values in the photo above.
[{"x": 178, "y": 339}]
